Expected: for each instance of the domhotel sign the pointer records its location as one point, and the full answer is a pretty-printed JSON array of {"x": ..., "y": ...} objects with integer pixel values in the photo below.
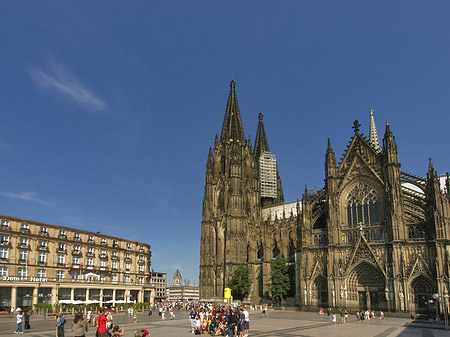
[{"x": 18, "y": 278}]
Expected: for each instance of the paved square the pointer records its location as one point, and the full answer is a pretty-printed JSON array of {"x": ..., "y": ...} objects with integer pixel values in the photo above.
[{"x": 277, "y": 324}]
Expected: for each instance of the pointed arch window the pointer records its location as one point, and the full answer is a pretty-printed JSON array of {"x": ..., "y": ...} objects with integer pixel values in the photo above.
[{"x": 363, "y": 206}]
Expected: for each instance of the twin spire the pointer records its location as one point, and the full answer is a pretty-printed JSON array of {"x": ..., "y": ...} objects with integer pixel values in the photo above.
[{"x": 232, "y": 124}]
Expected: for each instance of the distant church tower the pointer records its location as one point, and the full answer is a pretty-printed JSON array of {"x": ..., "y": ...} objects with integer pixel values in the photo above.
[
  {"x": 177, "y": 279},
  {"x": 233, "y": 200}
]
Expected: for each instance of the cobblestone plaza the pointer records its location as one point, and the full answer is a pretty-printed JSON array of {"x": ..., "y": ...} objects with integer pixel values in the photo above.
[{"x": 277, "y": 324}]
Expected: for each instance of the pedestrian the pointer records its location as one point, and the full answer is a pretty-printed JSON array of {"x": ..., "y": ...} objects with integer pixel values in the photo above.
[
  {"x": 150, "y": 311},
  {"x": 381, "y": 315},
  {"x": 79, "y": 325},
  {"x": 135, "y": 315},
  {"x": 12, "y": 311},
  {"x": 118, "y": 331},
  {"x": 246, "y": 321},
  {"x": 102, "y": 319},
  {"x": 192, "y": 316},
  {"x": 19, "y": 318},
  {"x": 320, "y": 311},
  {"x": 334, "y": 318},
  {"x": 27, "y": 321},
  {"x": 60, "y": 321},
  {"x": 358, "y": 317},
  {"x": 342, "y": 314}
]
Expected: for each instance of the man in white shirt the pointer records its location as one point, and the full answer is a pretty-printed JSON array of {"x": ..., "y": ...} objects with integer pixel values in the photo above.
[
  {"x": 19, "y": 321},
  {"x": 246, "y": 321}
]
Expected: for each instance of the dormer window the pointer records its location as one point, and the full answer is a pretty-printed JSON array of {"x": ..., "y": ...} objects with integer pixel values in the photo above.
[
  {"x": 25, "y": 228},
  {"x": 76, "y": 237},
  {"x": 6, "y": 224},
  {"x": 62, "y": 234}
]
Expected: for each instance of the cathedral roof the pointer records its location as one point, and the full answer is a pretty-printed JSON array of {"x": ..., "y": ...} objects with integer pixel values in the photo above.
[
  {"x": 261, "y": 144},
  {"x": 232, "y": 123}
]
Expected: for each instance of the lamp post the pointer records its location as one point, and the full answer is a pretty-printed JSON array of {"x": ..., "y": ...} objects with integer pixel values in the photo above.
[
  {"x": 446, "y": 296},
  {"x": 436, "y": 302}
]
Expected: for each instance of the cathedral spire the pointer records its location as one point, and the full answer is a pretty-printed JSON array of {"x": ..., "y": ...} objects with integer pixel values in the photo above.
[
  {"x": 261, "y": 144},
  {"x": 232, "y": 124},
  {"x": 373, "y": 138},
  {"x": 330, "y": 161}
]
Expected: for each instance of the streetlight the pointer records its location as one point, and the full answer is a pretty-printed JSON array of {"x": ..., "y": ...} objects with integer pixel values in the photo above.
[
  {"x": 446, "y": 296},
  {"x": 436, "y": 301}
]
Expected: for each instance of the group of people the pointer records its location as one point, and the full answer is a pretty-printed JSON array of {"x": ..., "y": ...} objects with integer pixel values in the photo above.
[
  {"x": 219, "y": 320},
  {"x": 343, "y": 313}
]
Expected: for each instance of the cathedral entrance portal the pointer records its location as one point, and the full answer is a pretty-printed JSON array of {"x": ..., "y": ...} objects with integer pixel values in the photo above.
[
  {"x": 321, "y": 292},
  {"x": 366, "y": 285},
  {"x": 423, "y": 290}
]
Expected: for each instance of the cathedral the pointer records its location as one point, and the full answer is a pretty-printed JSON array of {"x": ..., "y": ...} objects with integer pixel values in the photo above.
[{"x": 374, "y": 237}]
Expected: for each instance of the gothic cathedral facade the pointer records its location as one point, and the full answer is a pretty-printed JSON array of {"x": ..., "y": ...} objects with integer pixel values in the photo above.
[{"x": 373, "y": 237}]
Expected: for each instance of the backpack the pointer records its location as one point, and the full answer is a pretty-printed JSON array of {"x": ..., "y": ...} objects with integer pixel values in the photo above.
[{"x": 141, "y": 333}]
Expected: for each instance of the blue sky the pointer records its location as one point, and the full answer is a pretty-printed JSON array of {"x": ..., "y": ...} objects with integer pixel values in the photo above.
[{"x": 108, "y": 108}]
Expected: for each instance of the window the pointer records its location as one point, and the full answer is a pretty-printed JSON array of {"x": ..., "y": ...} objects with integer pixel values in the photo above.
[
  {"x": 90, "y": 262},
  {"x": 59, "y": 274},
  {"x": 61, "y": 247},
  {"x": 41, "y": 273},
  {"x": 127, "y": 266},
  {"x": 23, "y": 255},
  {"x": 363, "y": 207},
  {"x": 60, "y": 259},
  {"x": 62, "y": 234},
  {"x": 75, "y": 275},
  {"x": 102, "y": 263},
  {"x": 141, "y": 280},
  {"x": 24, "y": 242},
  {"x": 102, "y": 277},
  {"x": 76, "y": 260},
  {"x": 3, "y": 253},
  {"x": 141, "y": 249},
  {"x": 22, "y": 272},
  {"x": 113, "y": 278},
  {"x": 3, "y": 271},
  {"x": 114, "y": 255},
  {"x": 6, "y": 224},
  {"x": 44, "y": 231},
  {"x": 42, "y": 244},
  {"x": 141, "y": 258},
  {"x": 128, "y": 256},
  {"x": 103, "y": 242},
  {"x": 76, "y": 237},
  {"x": 115, "y": 243},
  {"x": 114, "y": 265},
  {"x": 141, "y": 269},
  {"x": 4, "y": 239},
  {"x": 90, "y": 251},
  {"x": 76, "y": 249},
  {"x": 127, "y": 279},
  {"x": 128, "y": 245},
  {"x": 90, "y": 239},
  {"x": 25, "y": 228},
  {"x": 42, "y": 257},
  {"x": 103, "y": 252}
]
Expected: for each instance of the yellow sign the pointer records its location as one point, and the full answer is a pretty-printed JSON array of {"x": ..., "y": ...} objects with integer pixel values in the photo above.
[{"x": 227, "y": 293}]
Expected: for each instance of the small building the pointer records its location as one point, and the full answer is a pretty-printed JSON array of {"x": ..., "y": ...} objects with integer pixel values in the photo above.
[
  {"x": 182, "y": 293},
  {"x": 159, "y": 281}
]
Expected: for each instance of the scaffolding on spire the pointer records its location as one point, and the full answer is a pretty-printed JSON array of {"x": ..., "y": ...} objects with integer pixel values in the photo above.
[{"x": 268, "y": 175}]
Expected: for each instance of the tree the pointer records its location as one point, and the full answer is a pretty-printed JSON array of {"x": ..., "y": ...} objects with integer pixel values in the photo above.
[
  {"x": 239, "y": 284},
  {"x": 280, "y": 284}
]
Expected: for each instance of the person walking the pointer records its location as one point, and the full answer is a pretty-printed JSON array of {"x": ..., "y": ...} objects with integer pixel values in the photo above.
[
  {"x": 60, "y": 325},
  {"x": 79, "y": 325},
  {"x": 19, "y": 319},
  {"x": 101, "y": 322},
  {"x": 27, "y": 320}
]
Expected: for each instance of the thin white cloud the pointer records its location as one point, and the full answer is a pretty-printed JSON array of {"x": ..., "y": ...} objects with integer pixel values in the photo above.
[
  {"x": 32, "y": 197},
  {"x": 61, "y": 81}
]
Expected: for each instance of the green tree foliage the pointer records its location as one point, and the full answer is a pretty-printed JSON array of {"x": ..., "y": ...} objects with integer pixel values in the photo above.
[
  {"x": 280, "y": 284},
  {"x": 239, "y": 284}
]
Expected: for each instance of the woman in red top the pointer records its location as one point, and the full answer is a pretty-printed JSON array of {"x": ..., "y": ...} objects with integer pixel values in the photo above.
[{"x": 101, "y": 322}]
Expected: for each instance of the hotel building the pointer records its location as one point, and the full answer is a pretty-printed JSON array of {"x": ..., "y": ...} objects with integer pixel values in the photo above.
[{"x": 43, "y": 263}]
